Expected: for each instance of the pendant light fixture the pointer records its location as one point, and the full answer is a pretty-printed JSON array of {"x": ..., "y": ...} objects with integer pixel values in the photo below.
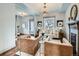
[{"x": 45, "y": 9}]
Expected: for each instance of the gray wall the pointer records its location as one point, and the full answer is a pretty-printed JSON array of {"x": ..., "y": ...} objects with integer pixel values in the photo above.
[{"x": 7, "y": 26}]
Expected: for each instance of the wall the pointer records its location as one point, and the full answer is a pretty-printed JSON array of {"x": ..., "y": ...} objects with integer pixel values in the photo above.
[
  {"x": 67, "y": 15},
  {"x": 7, "y": 26},
  {"x": 58, "y": 16}
]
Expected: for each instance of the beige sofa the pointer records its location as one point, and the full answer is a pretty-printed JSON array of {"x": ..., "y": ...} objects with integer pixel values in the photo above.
[
  {"x": 28, "y": 45},
  {"x": 55, "y": 48}
]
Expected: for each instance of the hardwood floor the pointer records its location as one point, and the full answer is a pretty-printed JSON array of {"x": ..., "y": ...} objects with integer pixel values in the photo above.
[{"x": 10, "y": 52}]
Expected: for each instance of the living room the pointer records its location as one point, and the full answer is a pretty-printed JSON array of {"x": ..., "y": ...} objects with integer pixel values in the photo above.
[{"x": 39, "y": 29}]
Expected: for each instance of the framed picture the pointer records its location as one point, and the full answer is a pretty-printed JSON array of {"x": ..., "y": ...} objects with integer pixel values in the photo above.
[
  {"x": 39, "y": 23},
  {"x": 60, "y": 23}
]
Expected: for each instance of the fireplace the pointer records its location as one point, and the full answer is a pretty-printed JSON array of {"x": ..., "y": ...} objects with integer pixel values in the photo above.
[
  {"x": 73, "y": 42},
  {"x": 73, "y": 37}
]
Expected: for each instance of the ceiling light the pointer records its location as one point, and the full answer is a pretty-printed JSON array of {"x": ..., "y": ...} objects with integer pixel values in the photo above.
[
  {"x": 45, "y": 12},
  {"x": 44, "y": 3},
  {"x": 22, "y": 14},
  {"x": 45, "y": 9}
]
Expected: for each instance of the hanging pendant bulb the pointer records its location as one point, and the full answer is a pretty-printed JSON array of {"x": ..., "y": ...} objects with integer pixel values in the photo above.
[
  {"x": 44, "y": 3},
  {"x": 44, "y": 9}
]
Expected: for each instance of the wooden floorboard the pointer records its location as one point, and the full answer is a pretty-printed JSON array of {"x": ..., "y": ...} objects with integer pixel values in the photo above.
[{"x": 10, "y": 52}]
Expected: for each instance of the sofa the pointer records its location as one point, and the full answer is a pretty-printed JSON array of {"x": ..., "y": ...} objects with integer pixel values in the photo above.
[
  {"x": 28, "y": 45},
  {"x": 56, "y": 48}
]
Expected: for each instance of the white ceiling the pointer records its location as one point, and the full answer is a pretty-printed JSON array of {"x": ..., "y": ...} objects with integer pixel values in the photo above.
[{"x": 37, "y": 8}]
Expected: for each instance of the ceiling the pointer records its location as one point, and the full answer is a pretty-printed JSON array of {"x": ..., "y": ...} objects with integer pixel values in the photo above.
[{"x": 37, "y": 8}]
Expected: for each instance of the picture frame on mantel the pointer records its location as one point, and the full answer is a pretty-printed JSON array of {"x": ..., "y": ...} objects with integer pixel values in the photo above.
[{"x": 59, "y": 23}]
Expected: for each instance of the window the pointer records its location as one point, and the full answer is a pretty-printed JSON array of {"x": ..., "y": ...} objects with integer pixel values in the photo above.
[
  {"x": 31, "y": 26},
  {"x": 49, "y": 22}
]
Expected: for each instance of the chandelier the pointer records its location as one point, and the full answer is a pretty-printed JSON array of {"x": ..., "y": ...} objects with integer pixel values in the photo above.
[{"x": 45, "y": 9}]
